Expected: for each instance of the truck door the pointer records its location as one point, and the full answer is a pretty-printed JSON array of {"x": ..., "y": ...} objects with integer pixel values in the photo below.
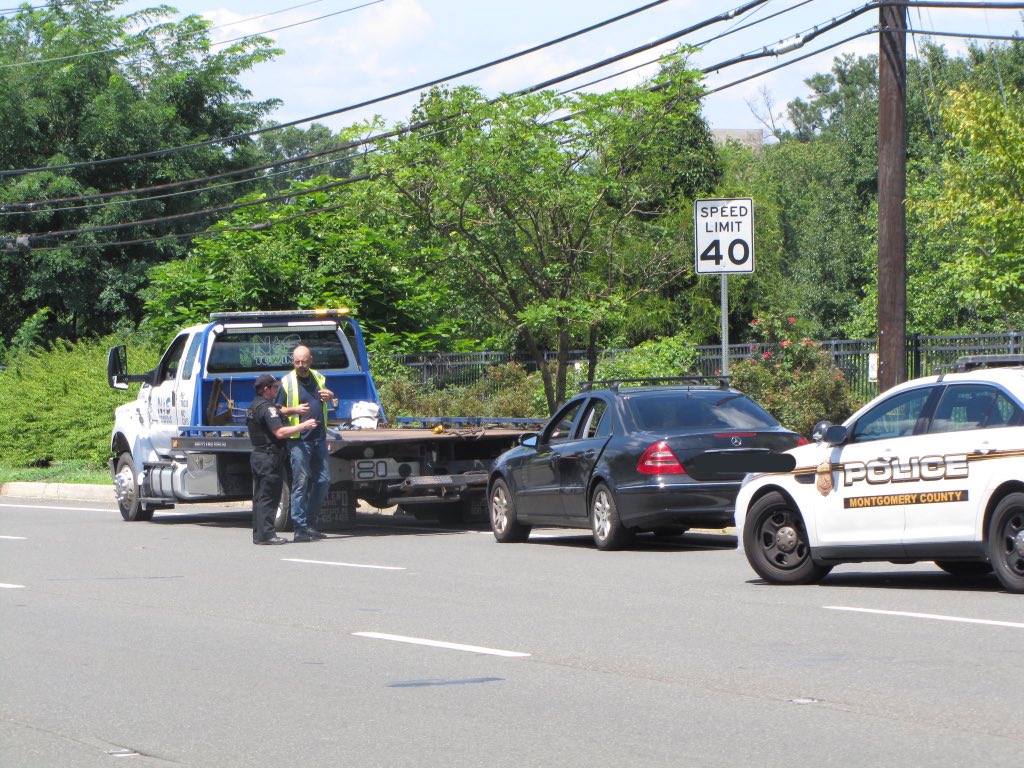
[{"x": 172, "y": 394}]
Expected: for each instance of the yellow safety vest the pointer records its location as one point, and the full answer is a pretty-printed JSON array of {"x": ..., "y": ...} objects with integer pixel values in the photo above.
[{"x": 290, "y": 381}]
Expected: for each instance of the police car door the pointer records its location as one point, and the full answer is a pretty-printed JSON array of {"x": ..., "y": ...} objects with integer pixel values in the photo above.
[
  {"x": 867, "y": 505},
  {"x": 968, "y": 436}
]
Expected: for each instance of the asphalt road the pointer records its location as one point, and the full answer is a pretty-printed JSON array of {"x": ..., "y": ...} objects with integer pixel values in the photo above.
[{"x": 179, "y": 643}]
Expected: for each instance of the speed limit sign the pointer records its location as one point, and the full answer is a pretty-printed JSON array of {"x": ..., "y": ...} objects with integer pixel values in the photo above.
[{"x": 724, "y": 235}]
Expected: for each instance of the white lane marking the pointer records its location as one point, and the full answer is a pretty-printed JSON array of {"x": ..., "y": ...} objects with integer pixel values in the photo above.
[
  {"x": 439, "y": 644},
  {"x": 346, "y": 565},
  {"x": 13, "y": 538},
  {"x": 12, "y": 586},
  {"x": 934, "y": 616},
  {"x": 65, "y": 509}
]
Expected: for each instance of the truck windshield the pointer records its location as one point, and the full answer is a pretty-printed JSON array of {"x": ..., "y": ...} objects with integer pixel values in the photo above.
[{"x": 270, "y": 349}]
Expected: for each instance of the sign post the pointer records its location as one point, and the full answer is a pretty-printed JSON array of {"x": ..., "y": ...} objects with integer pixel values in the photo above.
[{"x": 723, "y": 243}]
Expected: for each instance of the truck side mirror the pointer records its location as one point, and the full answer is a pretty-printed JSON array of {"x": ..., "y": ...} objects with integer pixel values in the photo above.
[{"x": 117, "y": 367}]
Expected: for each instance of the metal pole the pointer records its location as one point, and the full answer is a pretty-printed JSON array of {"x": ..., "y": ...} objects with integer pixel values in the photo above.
[
  {"x": 892, "y": 183},
  {"x": 725, "y": 324}
]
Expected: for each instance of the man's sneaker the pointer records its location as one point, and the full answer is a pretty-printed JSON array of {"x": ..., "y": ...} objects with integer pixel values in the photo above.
[
  {"x": 303, "y": 535},
  {"x": 315, "y": 534}
]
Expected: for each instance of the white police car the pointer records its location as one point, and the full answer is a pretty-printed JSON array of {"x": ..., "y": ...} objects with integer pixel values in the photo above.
[{"x": 932, "y": 469}]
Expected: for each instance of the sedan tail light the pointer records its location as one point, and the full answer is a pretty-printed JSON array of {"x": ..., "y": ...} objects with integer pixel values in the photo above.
[{"x": 658, "y": 459}]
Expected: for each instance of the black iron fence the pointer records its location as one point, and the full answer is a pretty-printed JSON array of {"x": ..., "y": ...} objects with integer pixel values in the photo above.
[{"x": 925, "y": 355}]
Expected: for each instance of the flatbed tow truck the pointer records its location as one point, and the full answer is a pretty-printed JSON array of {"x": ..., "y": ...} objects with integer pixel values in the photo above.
[{"x": 183, "y": 438}]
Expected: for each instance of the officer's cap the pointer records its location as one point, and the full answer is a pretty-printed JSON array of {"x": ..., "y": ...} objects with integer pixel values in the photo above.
[{"x": 265, "y": 380}]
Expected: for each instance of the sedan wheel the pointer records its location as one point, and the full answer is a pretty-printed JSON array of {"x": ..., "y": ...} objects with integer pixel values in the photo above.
[
  {"x": 609, "y": 532},
  {"x": 504, "y": 524},
  {"x": 775, "y": 542},
  {"x": 1006, "y": 542}
]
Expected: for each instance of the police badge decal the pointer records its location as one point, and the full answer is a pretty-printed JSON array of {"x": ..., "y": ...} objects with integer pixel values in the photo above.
[{"x": 824, "y": 474}]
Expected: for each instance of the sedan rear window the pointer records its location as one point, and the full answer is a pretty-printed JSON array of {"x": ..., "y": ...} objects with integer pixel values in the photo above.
[{"x": 714, "y": 410}]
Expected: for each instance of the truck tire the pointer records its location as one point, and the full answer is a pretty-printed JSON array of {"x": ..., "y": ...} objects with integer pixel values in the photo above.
[
  {"x": 126, "y": 489},
  {"x": 283, "y": 516}
]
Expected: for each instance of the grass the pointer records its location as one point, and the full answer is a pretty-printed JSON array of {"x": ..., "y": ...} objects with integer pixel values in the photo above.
[{"x": 77, "y": 472}]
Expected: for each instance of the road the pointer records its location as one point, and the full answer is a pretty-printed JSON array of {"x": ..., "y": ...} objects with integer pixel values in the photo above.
[{"x": 179, "y": 643}]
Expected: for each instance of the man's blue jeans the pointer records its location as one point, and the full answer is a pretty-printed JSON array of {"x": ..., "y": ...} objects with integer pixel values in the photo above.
[{"x": 311, "y": 477}]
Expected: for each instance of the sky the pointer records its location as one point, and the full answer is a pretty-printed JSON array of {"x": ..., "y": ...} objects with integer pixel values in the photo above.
[{"x": 360, "y": 53}]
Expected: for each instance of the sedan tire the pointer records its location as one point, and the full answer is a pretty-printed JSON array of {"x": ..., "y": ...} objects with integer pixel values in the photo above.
[
  {"x": 609, "y": 532},
  {"x": 776, "y": 545},
  {"x": 502, "y": 513},
  {"x": 1006, "y": 542}
]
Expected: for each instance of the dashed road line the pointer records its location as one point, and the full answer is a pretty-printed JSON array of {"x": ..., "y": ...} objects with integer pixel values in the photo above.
[
  {"x": 933, "y": 616},
  {"x": 346, "y": 565},
  {"x": 440, "y": 644},
  {"x": 12, "y": 586},
  {"x": 13, "y": 538}
]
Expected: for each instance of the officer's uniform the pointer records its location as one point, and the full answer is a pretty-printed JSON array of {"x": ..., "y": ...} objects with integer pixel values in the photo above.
[{"x": 267, "y": 462}]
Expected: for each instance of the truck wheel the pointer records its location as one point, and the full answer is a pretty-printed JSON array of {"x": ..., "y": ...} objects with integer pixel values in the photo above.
[
  {"x": 609, "y": 532},
  {"x": 775, "y": 542},
  {"x": 502, "y": 507},
  {"x": 1006, "y": 542},
  {"x": 126, "y": 489},
  {"x": 283, "y": 516}
]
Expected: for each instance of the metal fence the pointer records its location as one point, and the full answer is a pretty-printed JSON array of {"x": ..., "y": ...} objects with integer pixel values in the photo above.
[{"x": 925, "y": 354}]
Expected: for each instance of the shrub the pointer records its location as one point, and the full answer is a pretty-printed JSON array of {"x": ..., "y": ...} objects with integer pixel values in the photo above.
[
  {"x": 793, "y": 377},
  {"x": 57, "y": 405}
]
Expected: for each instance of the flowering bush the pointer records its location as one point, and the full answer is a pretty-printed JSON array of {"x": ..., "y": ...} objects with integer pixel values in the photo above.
[{"x": 792, "y": 376}]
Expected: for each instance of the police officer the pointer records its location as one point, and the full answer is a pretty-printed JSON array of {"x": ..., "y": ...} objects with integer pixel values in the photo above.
[{"x": 268, "y": 431}]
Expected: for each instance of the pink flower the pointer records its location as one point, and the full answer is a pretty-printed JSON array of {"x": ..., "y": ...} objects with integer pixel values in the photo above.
[
  {"x": 767, "y": 356},
  {"x": 792, "y": 321},
  {"x": 755, "y": 322},
  {"x": 786, "y": 342}
]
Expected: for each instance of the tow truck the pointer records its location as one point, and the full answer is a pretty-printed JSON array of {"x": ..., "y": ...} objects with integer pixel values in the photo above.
[{"x": 183, "y": 438}]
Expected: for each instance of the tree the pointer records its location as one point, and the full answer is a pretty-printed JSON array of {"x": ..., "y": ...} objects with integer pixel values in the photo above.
[
  {"x": 976, "y": 205},
  {"x": 80, "y": 83},
  {"x": 556, "y": 212}
]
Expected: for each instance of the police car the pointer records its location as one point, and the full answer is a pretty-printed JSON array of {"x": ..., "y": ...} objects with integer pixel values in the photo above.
[{"x": 933, "y": 469}]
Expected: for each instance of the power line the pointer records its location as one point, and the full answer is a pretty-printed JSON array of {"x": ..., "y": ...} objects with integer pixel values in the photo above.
[
  {"x": 128, "y": 48},
  {"x": 236, "y": 137}
]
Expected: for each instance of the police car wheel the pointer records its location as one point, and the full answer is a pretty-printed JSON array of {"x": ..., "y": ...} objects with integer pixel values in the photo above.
[
  {"x": 1006, "y": 542},
  {"x": 775, "y": 542}
]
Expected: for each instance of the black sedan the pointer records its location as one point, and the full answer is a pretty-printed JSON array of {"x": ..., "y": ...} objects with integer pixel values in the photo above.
[{"x": 657, "y": 455}]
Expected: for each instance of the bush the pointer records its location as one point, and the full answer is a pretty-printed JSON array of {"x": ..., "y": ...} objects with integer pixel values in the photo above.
[
  {"x": 793, "y": 377},
  {"x": 57, "y": 405}
]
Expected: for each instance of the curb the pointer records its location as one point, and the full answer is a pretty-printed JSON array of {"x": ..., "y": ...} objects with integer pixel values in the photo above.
[{"x": 62, "y": 491}]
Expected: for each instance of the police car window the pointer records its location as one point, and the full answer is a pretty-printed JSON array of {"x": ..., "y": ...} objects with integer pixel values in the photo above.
[
  {"x": 593, "y": 418},
  {"x": 894, "y": 417},
  {"x": 1004, "y": 413},
  {"x": 962, "y": 407},
  {"x": 560, "y": 430}
]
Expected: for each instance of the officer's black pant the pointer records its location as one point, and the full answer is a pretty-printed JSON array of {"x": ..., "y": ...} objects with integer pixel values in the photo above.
[{"x": 267, "y": 479}]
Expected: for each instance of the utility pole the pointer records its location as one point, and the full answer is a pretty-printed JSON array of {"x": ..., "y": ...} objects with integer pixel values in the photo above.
[{"x": 892, "y": 185}]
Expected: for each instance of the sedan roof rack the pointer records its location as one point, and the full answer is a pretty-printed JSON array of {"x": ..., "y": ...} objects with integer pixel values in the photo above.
[{"x": 722, "y": 382}]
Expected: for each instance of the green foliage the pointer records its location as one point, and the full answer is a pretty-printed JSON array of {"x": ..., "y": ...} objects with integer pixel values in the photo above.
[
  {"x": 57, "y": 405},
  {"x": 506, "y": 390},
  {"x": 793, "y": 378},
  {"x": 145, "y": 84}
]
